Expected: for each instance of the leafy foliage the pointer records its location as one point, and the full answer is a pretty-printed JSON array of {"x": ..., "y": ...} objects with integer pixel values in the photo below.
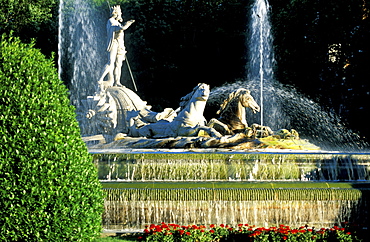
[
  {"x": 31, "y": 19},
  {"x": 49, "y": 189}
]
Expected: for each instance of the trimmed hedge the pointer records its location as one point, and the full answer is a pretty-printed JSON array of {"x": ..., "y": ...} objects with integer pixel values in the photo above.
[{"x": 49, "y": 190}]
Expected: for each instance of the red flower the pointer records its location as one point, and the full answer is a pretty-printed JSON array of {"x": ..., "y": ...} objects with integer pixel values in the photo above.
[
  {"x": 181, "y": 231},
  {"x": 285, "y": 238},
  {"x": 188, "y": 233},
  {"x": 294, "y": 231},
  {"x": 348, "y": 233},
  {"x": 211, "y": 231},
  {"x": 222, "y": 225},
  {"x": 212, "y": 226}
]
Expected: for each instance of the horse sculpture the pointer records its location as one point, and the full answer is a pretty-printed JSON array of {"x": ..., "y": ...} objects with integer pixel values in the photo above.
[
  {"x": 232, "y": 112},
  {"x": 188, "y": 122}
]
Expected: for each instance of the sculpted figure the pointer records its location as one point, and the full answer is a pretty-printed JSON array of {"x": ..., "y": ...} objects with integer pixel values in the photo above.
[
  {"x": 116, "y": 49},
  {"x": 232, "y": 113},
  {"x": 188, "y": 122}
]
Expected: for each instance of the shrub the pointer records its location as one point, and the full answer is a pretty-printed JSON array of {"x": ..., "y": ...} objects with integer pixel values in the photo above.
[{"x": 49, "y": 190}]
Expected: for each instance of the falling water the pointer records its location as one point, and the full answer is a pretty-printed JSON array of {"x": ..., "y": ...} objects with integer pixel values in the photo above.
[
  {"x": 261, "y": 57},
  {"x": 243, "y": 167},
  {"x": 133, "y": 208},
  {"x": 80, "y": 47}
]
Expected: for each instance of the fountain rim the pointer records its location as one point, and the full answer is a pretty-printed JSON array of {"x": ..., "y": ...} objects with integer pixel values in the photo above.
[{"x": 223, "y": 151}]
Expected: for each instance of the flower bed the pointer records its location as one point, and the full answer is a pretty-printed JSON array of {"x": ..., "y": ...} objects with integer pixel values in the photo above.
[{"x": 243, "y": 232}]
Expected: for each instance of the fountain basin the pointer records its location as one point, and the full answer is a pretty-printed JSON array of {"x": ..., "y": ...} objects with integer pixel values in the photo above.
[
  {"x": 229, "y": 165},
  {"x": 214, "y": 186}
]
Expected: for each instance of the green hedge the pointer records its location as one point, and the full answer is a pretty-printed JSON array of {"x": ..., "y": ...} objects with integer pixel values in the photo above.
[{"x": 49, "y": 189}]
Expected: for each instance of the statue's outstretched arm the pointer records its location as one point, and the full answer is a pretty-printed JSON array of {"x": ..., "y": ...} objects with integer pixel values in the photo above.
[{"x": 127, "y": 24}]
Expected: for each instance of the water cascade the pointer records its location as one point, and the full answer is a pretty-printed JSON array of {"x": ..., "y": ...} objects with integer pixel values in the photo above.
[
  {"x": 214, "y": 186},
  {"x": 264, "y": 189}
]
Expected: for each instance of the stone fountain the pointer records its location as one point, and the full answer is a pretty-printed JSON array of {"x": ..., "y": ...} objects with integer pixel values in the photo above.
[{"x": 173, "y": 166}]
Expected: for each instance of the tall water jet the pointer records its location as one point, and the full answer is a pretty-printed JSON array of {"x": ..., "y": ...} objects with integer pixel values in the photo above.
[
  {"x": 259, "y": 70},
  {"x": 261, "y": 55}
]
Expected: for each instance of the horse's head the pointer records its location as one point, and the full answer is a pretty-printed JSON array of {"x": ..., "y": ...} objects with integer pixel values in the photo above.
[
  {"x": 200, "y": 93},
  {"x": 247, "y": 100}
]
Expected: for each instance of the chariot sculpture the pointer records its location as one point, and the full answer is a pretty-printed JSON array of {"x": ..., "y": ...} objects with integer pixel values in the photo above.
[{"x": 119, "y": 115}]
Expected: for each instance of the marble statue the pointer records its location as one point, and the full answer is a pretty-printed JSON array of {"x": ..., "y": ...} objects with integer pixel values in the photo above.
[
  {"x": 110, "y": 112},
  {"x": 188, "y": 122},
  {"x": 116, "y": 49}
]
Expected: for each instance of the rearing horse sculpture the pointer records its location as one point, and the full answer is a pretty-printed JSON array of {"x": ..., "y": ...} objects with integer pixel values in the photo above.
[
  {"x": 232, "y": 112},
  {"x": 188, "y": 122}
]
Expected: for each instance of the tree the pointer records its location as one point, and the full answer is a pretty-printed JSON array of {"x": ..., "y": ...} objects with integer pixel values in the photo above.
[
  {"x": 49, "y": 190},
  {"x": 31, "y": 19}
]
